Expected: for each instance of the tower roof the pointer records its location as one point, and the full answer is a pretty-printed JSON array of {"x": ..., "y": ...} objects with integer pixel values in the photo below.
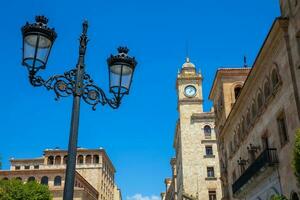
[{"x": 188, "y": 64}]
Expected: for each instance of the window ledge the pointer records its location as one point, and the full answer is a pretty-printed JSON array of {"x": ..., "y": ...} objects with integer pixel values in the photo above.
[
  {"x": 208, "y": 141},
  {"x": 211, "y": 178},
  {"x": 209, "y": 156}
]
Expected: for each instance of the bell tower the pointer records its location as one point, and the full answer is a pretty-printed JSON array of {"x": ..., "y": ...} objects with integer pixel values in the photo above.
[
  {"x": 197, "y": 168},
  {"x": 189, "y": 88}
]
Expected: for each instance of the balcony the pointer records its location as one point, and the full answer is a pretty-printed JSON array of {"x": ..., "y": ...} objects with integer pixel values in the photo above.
[{"x": 266, "y": 159}]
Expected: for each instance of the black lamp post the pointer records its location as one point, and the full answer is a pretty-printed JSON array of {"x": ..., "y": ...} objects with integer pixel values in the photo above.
[{"x": 38, "y": 39}]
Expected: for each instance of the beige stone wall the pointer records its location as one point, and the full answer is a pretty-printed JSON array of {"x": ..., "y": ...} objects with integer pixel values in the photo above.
[
  {"x": 239, "y": 132},
  {"x": 191, "y": 164},
  {"x": 79, "y": 194},
  {"x": 92, "y": 164}
]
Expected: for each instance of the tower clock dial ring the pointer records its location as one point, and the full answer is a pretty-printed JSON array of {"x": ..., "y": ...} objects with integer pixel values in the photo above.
[{"x": 190, "y": 91}]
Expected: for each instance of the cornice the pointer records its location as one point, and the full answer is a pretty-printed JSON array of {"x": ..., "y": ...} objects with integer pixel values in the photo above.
[
  {"x": 190, "y": 101},
  {"x": 278, "y": 25},
  {"x": 22, "y": 160},
  {"x": 204, "y": 115},
  {"x": 230, "y": 72}
]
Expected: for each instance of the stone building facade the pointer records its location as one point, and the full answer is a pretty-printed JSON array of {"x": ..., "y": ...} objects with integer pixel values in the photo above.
[
  {"x": 257, "y": 114},
  {"x": 195, "y": 168},
  {"x": 94, "y": 177}
]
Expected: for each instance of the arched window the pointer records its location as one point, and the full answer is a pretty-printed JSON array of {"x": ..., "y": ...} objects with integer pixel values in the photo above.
[
  {"x": 5, "y": 178},
  {"x": 259, "y": 100},
  {"x": 31, "y": 178},
  {"x": 248, "y": 119},
  {"x": 237, "y": 91},
  {"x": 80, "y": 159},
  {"x": 88, "y": 159},
  {"x": 294, "y": 196},
  {"x": 235, "y": 141},
  {"x": 207, "y": 131},
  {"x": 240, "y": 134},
  {"x": 19, "y": 178},
  {"x": 57, "y": 160},
  {"x": 275, "y": 78},
  {"x": 57, "y": 181},
  {"x": 231, "y": 147},
  {"x": 65, "y": 159},
  {"x": 267, "y": 90},
  {"x": 253, "y": 109},
  {"x": 244, "y": 126},
  {"x": 50, "y": 160},
  {"x": 44, "y": 180},
  {"x": 96, "y": 158}
]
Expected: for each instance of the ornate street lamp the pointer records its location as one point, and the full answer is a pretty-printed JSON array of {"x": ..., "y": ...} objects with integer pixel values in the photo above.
[{"x": 38, "y": 40}]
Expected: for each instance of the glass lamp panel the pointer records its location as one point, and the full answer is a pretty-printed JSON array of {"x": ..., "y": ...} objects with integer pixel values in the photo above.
[
  {"x": 114, "y": 76},
  {"x": 126, "y": 77},
  {"x": 36, "y": 50},
  {"x": 43, "y": 50},
  {"x": 29, "y": 49},
  {"x": 118, "y": 68}
]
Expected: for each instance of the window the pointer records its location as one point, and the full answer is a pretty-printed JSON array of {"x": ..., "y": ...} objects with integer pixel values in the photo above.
[
  {"x": 80, "y": 159},
  {"x": 212, "y": 195},
  {"x": 294, "y": 196},
  {"x": 88, "y": 159},
  {"x": 50, "y": 160},
  {"x": 233, "y": 176},
  {"x": 248, "y": 121},
  {"x": 27, "y": 167},
  {"x": 57, "y": 160},
  {"x": 31, "y": 178},
  {"x": 65, "y": 159},
  {"x": 44, "y": 180},
  {"x": 259, "y": 100},
  {"x": 36, "y": 166},
  {"x": 17, "y": 167},
  {"x": 19, "y": 178},
  {"x": 231, "y": 147},
  {"x": 267, "y": 90},
  {"x": 237, "y": 91},
  {"x": 265, "y": 141},
  {"x": 209, "y": 150},
  {"x": 96, "y": 158},
  {"x": 207, "y": 131},
  {"x": 282, "y": 129},
  {"x": 57, "y": 181},
  {"x": 235, "y": 140},
  {"x": 210, "y": 172},
  {"x": 253, "y": 110},
  {"x": 275, "y": 79}
]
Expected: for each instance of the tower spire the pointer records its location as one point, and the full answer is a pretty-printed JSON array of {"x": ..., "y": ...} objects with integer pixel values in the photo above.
[
  {"x": 245, "y": 61},
  {"x": 187, "y": 56}
]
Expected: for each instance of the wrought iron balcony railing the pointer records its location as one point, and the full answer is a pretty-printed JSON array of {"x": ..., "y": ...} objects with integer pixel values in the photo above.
[{"x": 267, "y": 158}]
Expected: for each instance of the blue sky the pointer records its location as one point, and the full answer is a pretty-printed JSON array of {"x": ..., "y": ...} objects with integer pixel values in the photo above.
[{"x": 139, "y": 135}]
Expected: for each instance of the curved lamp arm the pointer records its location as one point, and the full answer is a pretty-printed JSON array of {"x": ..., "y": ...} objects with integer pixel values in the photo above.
[{"x": 64, "y": 86}]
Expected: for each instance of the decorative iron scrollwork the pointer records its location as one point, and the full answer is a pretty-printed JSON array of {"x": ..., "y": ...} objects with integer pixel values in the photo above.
[
  {"x": 64, "y": 86},
  {"x": 94, "y": 95}
]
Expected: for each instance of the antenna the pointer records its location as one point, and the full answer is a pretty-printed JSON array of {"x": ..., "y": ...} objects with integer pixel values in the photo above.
[
  {"x": 187, "y": 56},
  {"x": 245, "y": 61}
]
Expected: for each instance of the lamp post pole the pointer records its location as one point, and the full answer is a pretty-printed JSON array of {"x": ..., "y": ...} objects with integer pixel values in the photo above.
[
  {"x": 72, "y": 148},
  {"x": 37, "y": 43}
]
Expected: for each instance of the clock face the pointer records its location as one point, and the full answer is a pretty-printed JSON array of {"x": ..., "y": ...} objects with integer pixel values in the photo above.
[{"x": 190, "y": 91}]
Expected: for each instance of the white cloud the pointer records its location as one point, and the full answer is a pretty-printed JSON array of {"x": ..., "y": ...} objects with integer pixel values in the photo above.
[{"x": 141, "y": 197}]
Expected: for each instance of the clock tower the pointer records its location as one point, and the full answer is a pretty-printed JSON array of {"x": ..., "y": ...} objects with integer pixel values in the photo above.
[
  {"x": 197, "y": 161},
  {"x": 189, "y": 87}
]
